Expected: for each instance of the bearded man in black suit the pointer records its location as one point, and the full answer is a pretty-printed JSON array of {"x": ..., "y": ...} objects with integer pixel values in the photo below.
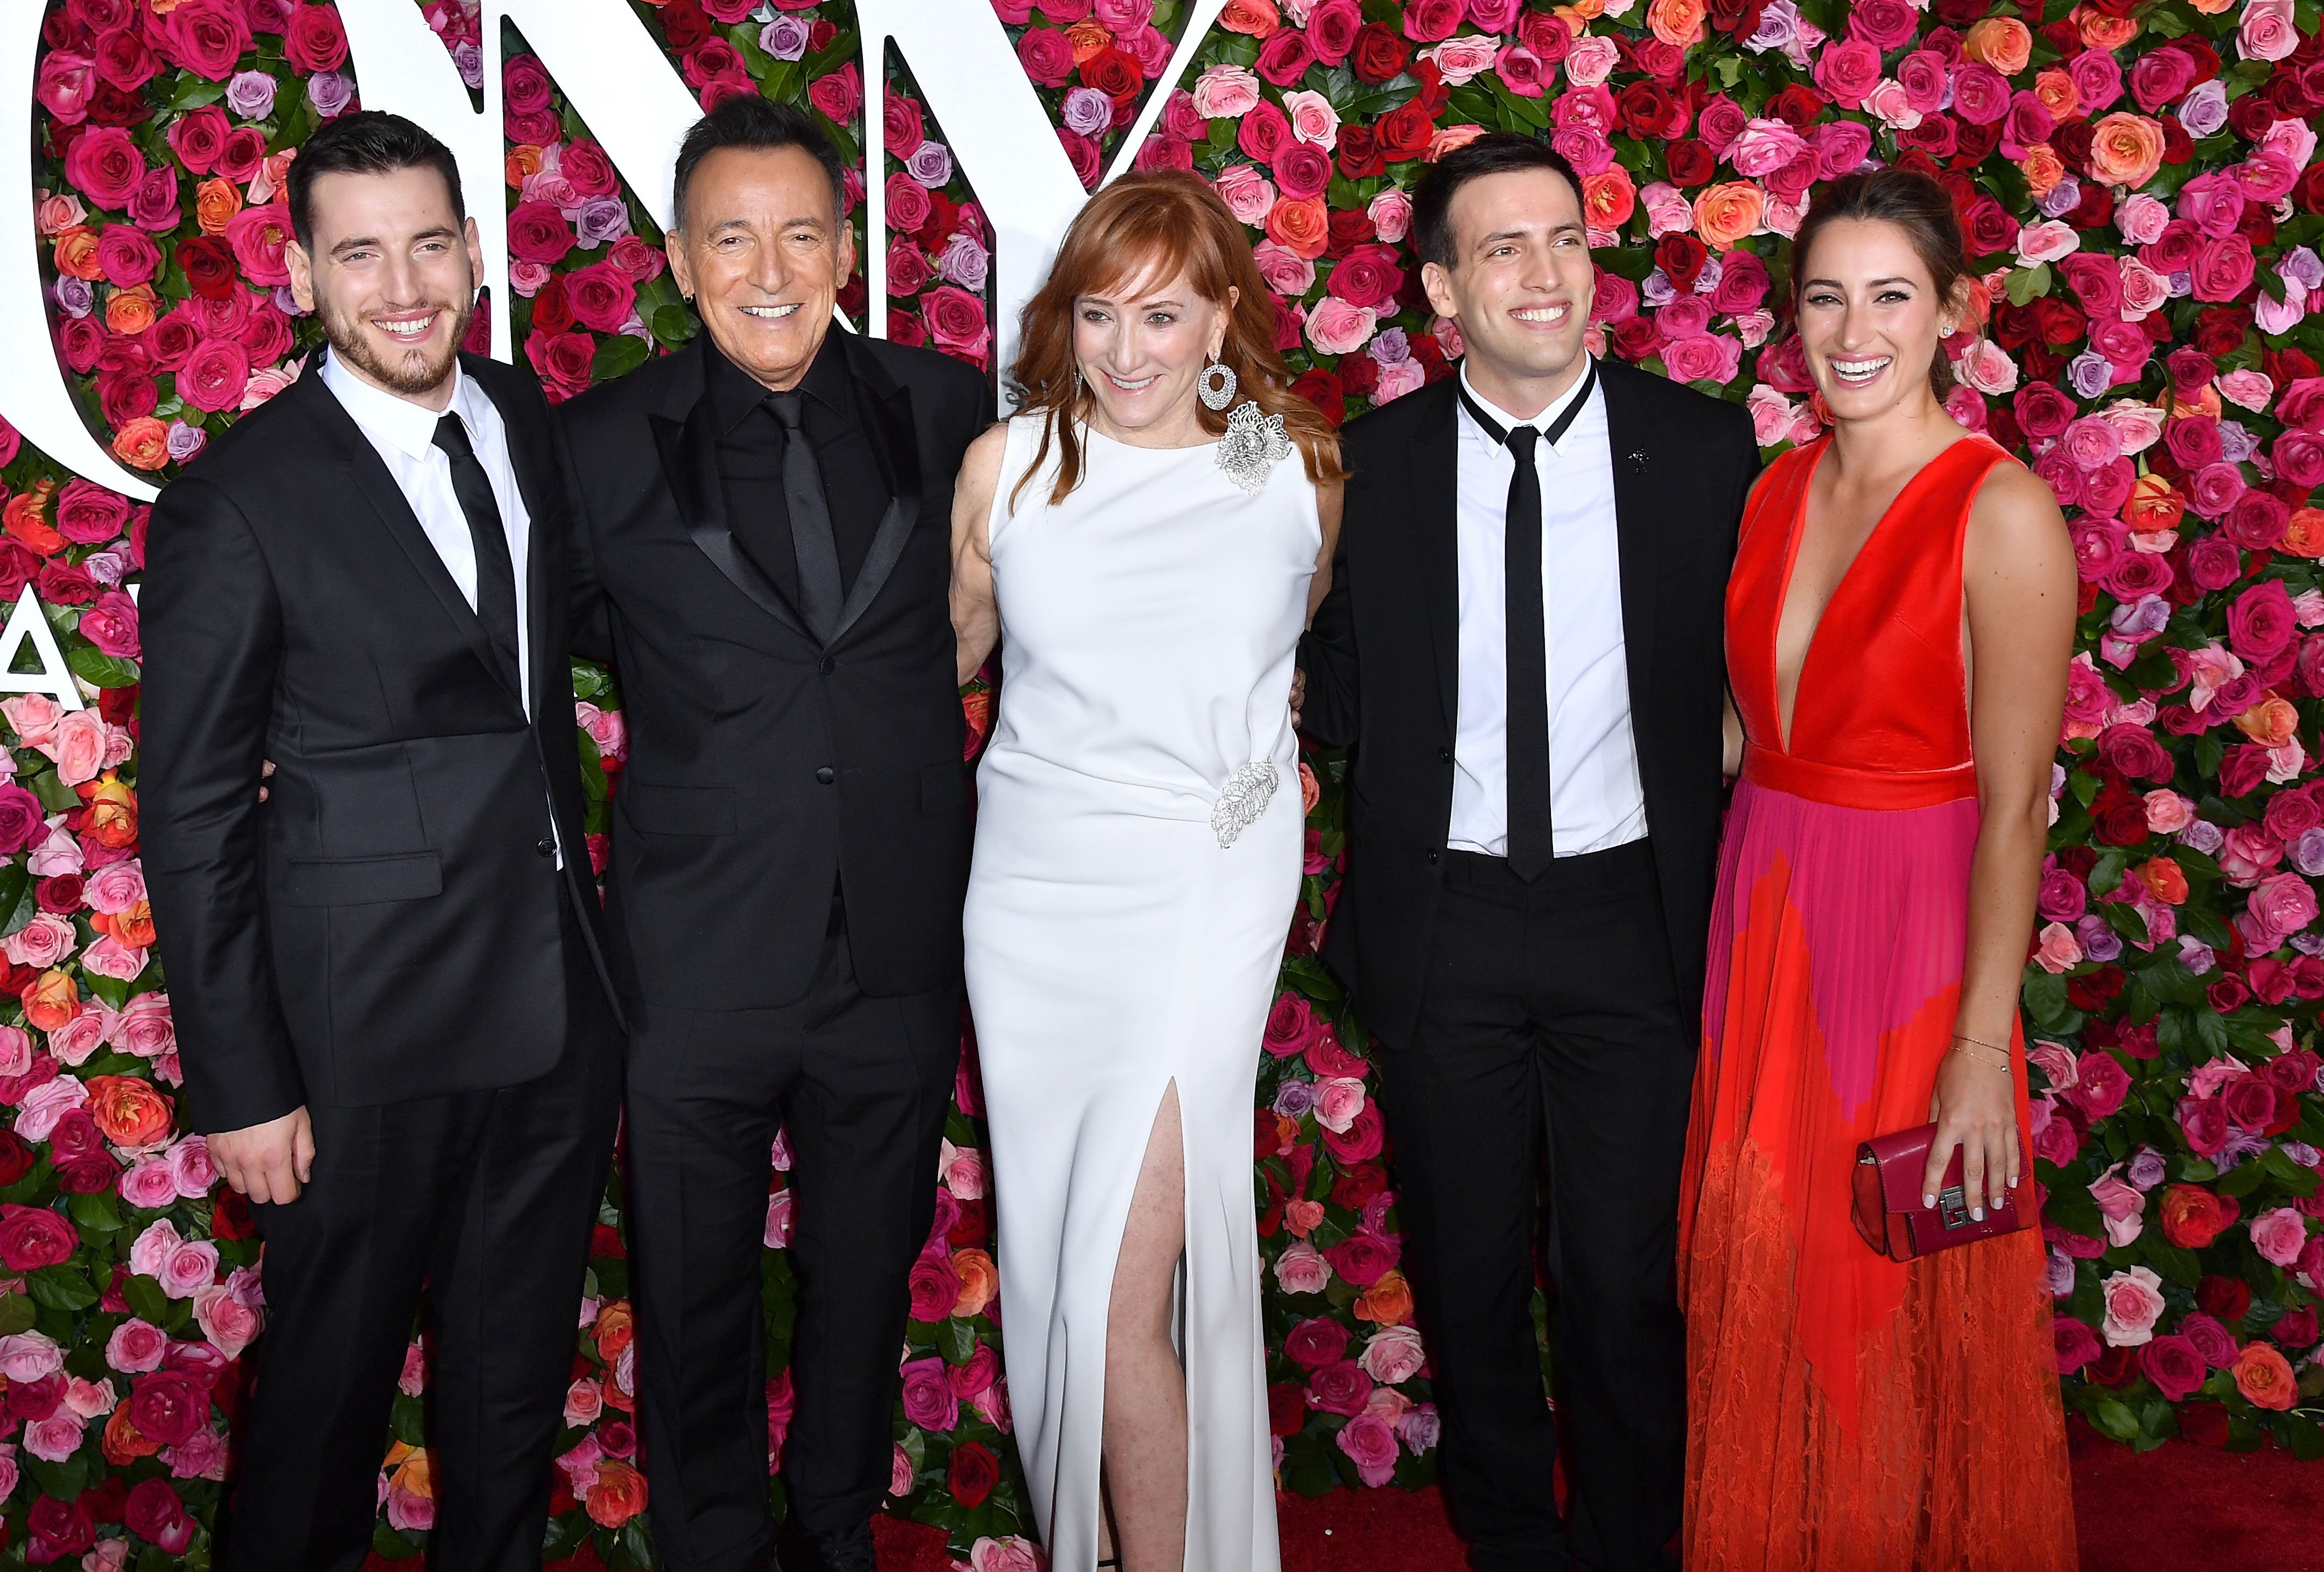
[{"x": 766, "y": 519}]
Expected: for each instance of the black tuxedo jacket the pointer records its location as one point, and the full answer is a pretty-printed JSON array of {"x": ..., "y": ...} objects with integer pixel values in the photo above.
[
  {"x": 385, "y": 926},
  {"x": 1382, "y": 661},
  {"x": 765, "y": 766}
]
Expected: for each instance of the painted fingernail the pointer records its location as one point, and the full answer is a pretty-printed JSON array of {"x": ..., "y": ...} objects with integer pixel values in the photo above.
[
  {"x": 1928, "y": 1201},
  {"x": 1976, "y": 1214}
]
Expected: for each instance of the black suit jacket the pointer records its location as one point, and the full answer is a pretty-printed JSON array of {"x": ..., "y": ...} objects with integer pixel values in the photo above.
[
  {"x": 1382, "y": 661},
  {"x": 765, "y": 766},
  {"x": 386, "y": 926}
]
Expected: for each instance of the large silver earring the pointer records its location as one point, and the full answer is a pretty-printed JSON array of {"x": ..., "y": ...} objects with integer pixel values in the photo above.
[{"x": 1207, "y": 388}]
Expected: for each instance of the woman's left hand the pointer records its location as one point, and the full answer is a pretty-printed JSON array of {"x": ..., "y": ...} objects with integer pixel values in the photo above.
[{"x": 1974, "y": 1106}]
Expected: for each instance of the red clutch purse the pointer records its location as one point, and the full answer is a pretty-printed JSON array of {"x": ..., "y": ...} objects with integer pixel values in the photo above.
[{"x": 1888, "y": 1210}]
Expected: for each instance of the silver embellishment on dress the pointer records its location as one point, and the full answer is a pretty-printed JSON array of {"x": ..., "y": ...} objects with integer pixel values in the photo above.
[
  {"x": 1245, "y": 797},
  {"x": 1254, "y": 445}
]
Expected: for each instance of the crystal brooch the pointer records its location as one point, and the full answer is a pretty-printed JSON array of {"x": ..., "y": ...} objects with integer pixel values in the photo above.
[
  {"x": 1254, "y": 445},
  {"x": 1247, "y": 792}
]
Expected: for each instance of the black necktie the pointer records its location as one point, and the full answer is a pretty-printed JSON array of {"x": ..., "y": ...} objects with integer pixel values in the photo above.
[
  {"x": 812, "y": 541},
  {"x": 1531, "y": 848},
  {"x": 496, "y": 576}
]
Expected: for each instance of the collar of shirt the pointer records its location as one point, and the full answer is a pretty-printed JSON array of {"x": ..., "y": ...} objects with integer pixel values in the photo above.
[
  {"x": 407, "y": 427},
  {"x": 735, "y": 394},
  {"x": 1541, "y": 422}
]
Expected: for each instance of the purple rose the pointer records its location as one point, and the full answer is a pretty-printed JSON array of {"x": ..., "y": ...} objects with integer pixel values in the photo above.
[
  {"x": 931, "y": 165},
  {"x": 250, "y": 94},
  {"x": 1087, "y": 111}
]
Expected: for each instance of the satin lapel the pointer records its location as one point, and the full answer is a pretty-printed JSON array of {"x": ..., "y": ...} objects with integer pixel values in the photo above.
[
  {"x": 1435, "y": 482},
  {"x": 376, "y": 485},
  {"x": 1637, "y": 493},
  {"x": 689, "y": 461},
  {"x": 886, "y": 411}
]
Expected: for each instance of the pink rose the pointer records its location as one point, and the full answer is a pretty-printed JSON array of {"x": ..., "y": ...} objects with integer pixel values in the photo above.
[
  {"x": 1371, "y": 1445},
  {"x": 2223, "y": 268},
  {"x": 2267, "y": 31},
  {"x": 934, "y": 1286},
  {"x": 2280, "y": 1236},
  {"x": 603, "y": 296},
  {"x": 1225, "y": 92},
  {"x": 1247, "y": 192},
  {"x": 41, "y": 943},
  {"x": 957, "y": 321},
  {"x": 230, "y": 1325},
  {"x": 1289, "y": 274},
  {"x": 105, "y": 166},
  {"x": 2283, "y": 904},
  {"x": 145, "y": 1029},
  {"x": 2134, "y": 1303},
  {"x": 115, "y": 887},
  {"x": 190, "y": 1267},
  {"x": 148, "y": 1183},
  {"x": 43, "y": 1106},
  {"x": 1302, "y": 1269},
  {"x": 65, "y": 84},
  {"x": 1008, "y": 1555},
  {"x": 29, "y": 1357},
  {"x": 1394, "y": 1355},
  {"x": 1337, "y": 328},
  {"x": 1313, "y": 121},
  {"x": 1713, "y": 358},
  {"x": 930, "y": 1402},
  {"x": 2100, "y": 1084},
  {"x": 1847, "y": 71},
  {"x": 55, "y": 1437}
]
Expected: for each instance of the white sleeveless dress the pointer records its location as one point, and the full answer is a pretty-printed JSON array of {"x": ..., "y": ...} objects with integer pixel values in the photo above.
[{"x": 1149, "y": 627}]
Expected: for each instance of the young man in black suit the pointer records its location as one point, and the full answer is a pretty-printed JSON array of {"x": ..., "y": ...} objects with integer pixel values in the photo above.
[
  {"x": 391, "y": 1006},
  {"x": 767, "y": 519},
  {"x": 1523, "y": 643}
]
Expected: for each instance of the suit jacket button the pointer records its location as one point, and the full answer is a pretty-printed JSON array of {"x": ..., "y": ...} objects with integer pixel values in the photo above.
[
  {"x": 827, "y": 666},
  {"x": 824, "y": 776},
  {"x": 545, "y": 846},
  {"x": 1431, "y": 859},
  {"x": 1443, "y": 756}
]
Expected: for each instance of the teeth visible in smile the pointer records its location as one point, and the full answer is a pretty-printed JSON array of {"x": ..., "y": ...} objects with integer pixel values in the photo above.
[
  {"x": 405, "y": 329},
  {"x": 1545, "y": 314},
  {"x": 1139, "y": 386},
  {"x": 770, "y": 313},
  {"x": 1859, "y": 371}
]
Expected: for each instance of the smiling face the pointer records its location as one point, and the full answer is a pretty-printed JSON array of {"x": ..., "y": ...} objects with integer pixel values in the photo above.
[
  {"x": 763, "y": 253},
  {"x": 1520, "y": 285},
  {"x": 1870, "y": 318},
  {"x": 1141, "y": 348},
  {"x": 392, "y": 278}
]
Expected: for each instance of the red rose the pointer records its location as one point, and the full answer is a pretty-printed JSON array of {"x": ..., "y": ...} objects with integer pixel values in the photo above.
[
  {"x": 32, "y": 1237},
  {"x": 153, "y": 1512},
  {"x": 1644, "y": 107},
  {"x": 2193, "y": 1216},
  {"x": 1343, "y": 1389},
  {"x": 314, "y": 40},
  {"x": 973, "y": 1475},
  {"x": 1283, "y": 58},
  {"x": 684, "y": 24},
  {"x": 1321, "y": 388},
  {"x": 562, "y": 361},
  {"x": 167, "y": 1406},
  {"x": 15, "y": 1157},
  {"x": 1358, "y": 153},
  {"x": 538, "y": 233},
  {"x": 205, "y": 37},
  {"x": 551, "y": 310},
  {"x": 601, "y": 296},
  {"x": 837, "y": 94},
  {"x": 1689, "y": 162},
  {"x": 244, "y": 150},
  {"x": 1362, "y": 1259},
  {"x": 2228, "y": 1298},
  {"x": 1046, "y": 55},
  {"x": 1379, "y": 55},
  {"x": 1680, "y": 257},
  {"x": 2203, "y": 1423},
  {"x": 1404, "y": 132},
  {"x": 56, "y": 1530}
]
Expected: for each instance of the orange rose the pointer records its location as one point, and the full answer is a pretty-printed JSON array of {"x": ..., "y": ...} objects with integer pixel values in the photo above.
[
  {"x": 1728, "y": 212},
  {"x": 2270, "y": 722},
  {"x": 133, "y": 927},
  {"x": 2205, "y": 403},
  {"x": 2054, "y": 90},
  {"x": 26, "y": 519},
  {"x": 2211, "y": 7},
  {"x": 214, "y": 202},
  {"x": 1581, "y": 11},
  {"x": 2265, "y": 1377},
  {"x": 1387, "y": 1302},
  {"x": 1301, "y": 225},
  {"x": 1310, "y": 792},
  {"x": 1445, "y": 138},
  {"x": 76, "y": 254},
  {"x": 979, "y": 1282},
  {"x": 112, "y": 818},
  {"x": 121, "y": 1443},
  {"x": 523, "y": 163},
  {"x": 615, "y": 1328},
  {"x": 1677, "y": 22},
  {"x": 2304, "y": 535},
  {"x": 2100, "y": 31},
  {"x": 1286, "y": 1135},
  {"x": 415, "y": 1475},
  {"x": 2193, "y": 1216},
  {"x": 2165, "y": 879},
  {"x": 143, "y": 444},
  {"x": 1608, "y": 198},
  {"x": 128, "y": 1111},
  {"x": 130, "y": 312},
  {"x": 2042, "y": 168},
  {"x": 2153, "y": 506},
  {"x": 2126, "y": 149},
  {"x": 51, "y": 1000},
  {"x": 1088, "y": 37},
  {"x": 1255, "y": 17},
  {"x": 618, "y": 1494},
  {"x": 2002, "y": 42}
]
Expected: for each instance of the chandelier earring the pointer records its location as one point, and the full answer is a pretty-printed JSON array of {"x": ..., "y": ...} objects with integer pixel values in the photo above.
[{"x": 1216, "y": 386}]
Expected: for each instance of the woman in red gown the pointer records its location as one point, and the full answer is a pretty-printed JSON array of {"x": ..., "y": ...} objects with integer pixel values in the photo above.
[{"x": 1898, "y": 628}]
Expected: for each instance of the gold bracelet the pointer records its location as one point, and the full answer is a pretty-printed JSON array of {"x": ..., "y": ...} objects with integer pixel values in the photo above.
[
  {"x": 1964, "y": 1037},
  {"x": 1971, "y": 1049}
]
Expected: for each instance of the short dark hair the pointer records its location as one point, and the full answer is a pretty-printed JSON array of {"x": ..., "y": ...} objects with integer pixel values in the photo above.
[
  {"x": 1497, "y": 152},
  {"x": 369, "y": 142},
  {"x": 762, "y": 125},
  {"x": 1914, "y": 203}
]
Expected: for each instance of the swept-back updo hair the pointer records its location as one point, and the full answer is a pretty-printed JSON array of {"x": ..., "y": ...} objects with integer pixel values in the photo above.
[
  {"x": 1913, "y": 203},
  {"x": 1152, "y": 227}
]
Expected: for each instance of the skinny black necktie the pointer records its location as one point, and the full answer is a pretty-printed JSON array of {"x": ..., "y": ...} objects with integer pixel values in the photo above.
[
  {"x": 812, "y": 541},
  {"x": 1531, "y": 848},
  {"x": 495, "y": 575}
]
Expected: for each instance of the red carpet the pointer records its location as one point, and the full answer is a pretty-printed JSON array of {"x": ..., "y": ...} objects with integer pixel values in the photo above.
[{"x": 2177, "y": 1509}]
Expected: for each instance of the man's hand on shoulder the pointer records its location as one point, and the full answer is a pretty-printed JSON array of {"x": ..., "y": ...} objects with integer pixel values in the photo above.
[{"x": 269, "y": 1162}]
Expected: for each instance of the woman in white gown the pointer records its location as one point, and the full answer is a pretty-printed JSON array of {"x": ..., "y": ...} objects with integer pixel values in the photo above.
[{"x": 1146, "y": 539}]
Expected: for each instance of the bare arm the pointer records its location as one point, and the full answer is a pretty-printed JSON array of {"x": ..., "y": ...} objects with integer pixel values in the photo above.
[
  {"x": 975, "y": 615},
  {"x": 1730, "y": 738},
  {"x": 2018, "y": 575}
]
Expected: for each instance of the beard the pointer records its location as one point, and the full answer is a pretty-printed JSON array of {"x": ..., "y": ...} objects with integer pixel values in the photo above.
[{"x": 409, "y": 371}]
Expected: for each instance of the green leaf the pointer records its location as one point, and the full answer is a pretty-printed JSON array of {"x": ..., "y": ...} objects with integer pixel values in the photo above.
[
  {"x": 64, "y": 1288},
  {"x": 2298, "y": 1181},
  {"x": 2243, "y": 1178},
  {"x": 673, "y": 324},
  {"x": 16, "y": 1314},
  {"x": 2113, "y": 1416},
  {"x": 956, "y": 1340},
  {"x": 193, "y": 92},
  {"x": 18, "y": 898},
  {"x": 2069, "y": 1207},
  {"x": 2045, "y": 996},
  {"x": 619, "y": 354},
  {"x": 2025, "y": 283},
  {"x": 2174, "y": 1264},
  {"x": 146, "y": 1300}
]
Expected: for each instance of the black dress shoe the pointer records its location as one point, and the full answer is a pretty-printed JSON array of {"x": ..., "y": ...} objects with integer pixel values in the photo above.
[{"x": 847, "y": 1550}]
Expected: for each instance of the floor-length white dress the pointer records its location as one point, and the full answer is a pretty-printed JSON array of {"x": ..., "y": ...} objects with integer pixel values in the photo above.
[{"x": 1149, "y": 625}]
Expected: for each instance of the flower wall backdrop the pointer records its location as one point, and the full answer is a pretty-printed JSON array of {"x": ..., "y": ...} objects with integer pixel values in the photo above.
[{"x": 2140, "y": 184}]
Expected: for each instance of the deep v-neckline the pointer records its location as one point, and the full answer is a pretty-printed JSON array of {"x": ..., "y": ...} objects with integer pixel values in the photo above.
[{"x": 1783, "y": 723}]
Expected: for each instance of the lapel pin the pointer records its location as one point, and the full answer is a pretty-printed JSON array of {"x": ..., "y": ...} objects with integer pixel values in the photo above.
[{"x": 1639, "y": 459}]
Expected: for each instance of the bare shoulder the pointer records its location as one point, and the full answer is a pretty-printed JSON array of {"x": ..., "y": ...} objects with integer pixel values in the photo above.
[
  {"x": 1330, "y": 506},
  {"x": 2014, "y": 512},
  {"x": 980, "y": 466}
]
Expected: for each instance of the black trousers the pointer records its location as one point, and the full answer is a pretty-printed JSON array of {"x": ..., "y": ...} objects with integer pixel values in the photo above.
[
  {"x": 864, "y": 1084},
  {"x": 1550, "y": 1018},
  {"x": 489, "y": 1199}
]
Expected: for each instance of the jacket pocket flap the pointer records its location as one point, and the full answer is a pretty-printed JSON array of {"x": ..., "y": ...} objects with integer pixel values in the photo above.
[
  {"x": 675, "y": 809},
  {"x": 355, "y": 881}
]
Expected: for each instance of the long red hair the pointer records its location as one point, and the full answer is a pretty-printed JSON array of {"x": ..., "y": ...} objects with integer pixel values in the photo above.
[{"x": 1161, "y": 224}]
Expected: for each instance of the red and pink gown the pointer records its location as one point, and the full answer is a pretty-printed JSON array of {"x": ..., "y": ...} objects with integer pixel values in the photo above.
[{"x": 1848, "y": 1413}]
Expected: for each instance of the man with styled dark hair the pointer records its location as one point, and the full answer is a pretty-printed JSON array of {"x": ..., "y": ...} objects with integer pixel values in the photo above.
[
  {"x": 1523, "y": 642},
  {"x": 767, "y": 519},
  {"x": 391, "y": 1004}
]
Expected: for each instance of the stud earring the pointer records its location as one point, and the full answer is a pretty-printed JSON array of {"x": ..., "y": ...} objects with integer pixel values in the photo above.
[{"x": 1207, "y": 388}]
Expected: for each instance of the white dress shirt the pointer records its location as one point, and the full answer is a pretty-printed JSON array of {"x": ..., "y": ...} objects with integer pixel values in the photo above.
[
  {"x": 1596, "y": 798},
  {"x": 404, "y": 433}
]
